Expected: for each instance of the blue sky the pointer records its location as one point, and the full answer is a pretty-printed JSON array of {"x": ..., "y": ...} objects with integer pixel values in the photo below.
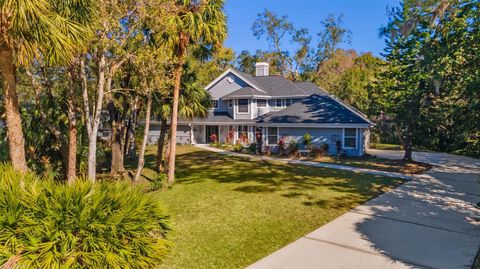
[{"x": 362, "y": 17}]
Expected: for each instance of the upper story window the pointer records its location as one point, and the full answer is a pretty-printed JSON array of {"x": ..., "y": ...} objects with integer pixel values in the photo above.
[
  {"x": 288, "y": 102},
  {"x": 242, "y": 106},
  {"x": 215, "y": 103},
  {"x": 350, "y": 138},
  {"x": 230, "y": 103},
  {"x": 261, "y": 103},
  {"x": 278, "y": 103}
]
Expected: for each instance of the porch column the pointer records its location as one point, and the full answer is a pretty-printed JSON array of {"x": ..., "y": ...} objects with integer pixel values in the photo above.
[
  {"x": 204, "y": 133},
  {"x": 235, "y": 134}
]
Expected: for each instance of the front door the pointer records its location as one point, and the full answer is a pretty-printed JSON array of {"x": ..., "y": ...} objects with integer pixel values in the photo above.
[{"x": 209, "y": 131}]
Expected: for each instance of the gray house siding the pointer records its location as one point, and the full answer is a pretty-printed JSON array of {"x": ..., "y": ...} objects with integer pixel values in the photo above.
[
  {"x": 319, "y": 136},
  {"x": 183, "y": 134},
  {"x": 224, "y": 87},
  {"x": 323, "y": 136},
  {"x": 222, "y": 105}
]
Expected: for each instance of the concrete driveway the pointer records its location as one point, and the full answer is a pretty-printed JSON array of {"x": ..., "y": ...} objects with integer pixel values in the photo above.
[{"x": 429, "y": 222}]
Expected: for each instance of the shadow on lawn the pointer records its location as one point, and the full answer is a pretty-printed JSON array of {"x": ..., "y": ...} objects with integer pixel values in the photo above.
[{"x": 288, "y": 180}]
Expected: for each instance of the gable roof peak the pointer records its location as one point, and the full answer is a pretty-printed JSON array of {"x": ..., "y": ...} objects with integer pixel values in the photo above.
[{"x": 243, "y": 76}]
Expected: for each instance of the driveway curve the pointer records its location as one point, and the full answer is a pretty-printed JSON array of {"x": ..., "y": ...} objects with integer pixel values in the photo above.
[{"x": 428, "y": 222}]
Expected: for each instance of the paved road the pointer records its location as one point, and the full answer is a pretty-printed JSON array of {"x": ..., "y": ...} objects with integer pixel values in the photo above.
[{"x": 429, "y": 222}]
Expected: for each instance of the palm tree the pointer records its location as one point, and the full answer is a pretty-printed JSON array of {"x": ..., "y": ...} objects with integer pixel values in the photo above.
[
  {"x": 30, "y": 29},
  {"x": 193, "y": 22},
  {"x": 194, "y": 102}
]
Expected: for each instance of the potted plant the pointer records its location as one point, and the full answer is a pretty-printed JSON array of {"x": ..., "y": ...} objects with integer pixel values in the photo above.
[{"x": 307, "y": 140}]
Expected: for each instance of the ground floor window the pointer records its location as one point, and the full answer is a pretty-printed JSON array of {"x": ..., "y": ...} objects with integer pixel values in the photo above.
[
  {"x": 272, "y": 137},
  {"x": 242, "y": 132},
  {"x": 350, "y": 138}
]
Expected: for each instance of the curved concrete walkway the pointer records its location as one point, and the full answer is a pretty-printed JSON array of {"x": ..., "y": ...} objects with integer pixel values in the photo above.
[{"x": 428, "y": 222}]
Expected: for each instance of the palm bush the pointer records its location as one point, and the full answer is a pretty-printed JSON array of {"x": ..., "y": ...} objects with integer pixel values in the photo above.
[{"x": 45, "y": 224}]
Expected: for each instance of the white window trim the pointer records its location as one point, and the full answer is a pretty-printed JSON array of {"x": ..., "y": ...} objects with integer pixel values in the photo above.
[
  {"x": 230, "y": 103},
  {"x": 266, "y": 102},
  {"x": 268, "y": 135},
  {"x": 356, "y": 139},
  {"x": 248, "y": 106}
]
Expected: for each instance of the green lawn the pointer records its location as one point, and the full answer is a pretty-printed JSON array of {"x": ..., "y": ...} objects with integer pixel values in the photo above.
[
  {"x": 229, "y": 212},
  {"x": 386, "y": 146}
]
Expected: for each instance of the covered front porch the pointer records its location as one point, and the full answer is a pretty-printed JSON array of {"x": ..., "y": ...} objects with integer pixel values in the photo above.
[{"x": 225, "y": 133}]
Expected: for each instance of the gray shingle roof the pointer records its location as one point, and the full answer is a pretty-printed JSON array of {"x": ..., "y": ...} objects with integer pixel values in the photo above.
[
  {"x": 310, "y": 88},
  {"x": 279, "y": 86},
  {"x": 276, "y": 85},
  {"x": 244, "y": 92},
  {"x": 251, "y": 79},
  {"x": 316, "y": 109}
]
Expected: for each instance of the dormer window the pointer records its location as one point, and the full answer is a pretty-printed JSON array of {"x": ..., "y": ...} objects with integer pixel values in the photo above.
[
  {"x": 278, "y": 103},
  {"x": 214, "y": 103},
  {"x": 288, "y": 102}
]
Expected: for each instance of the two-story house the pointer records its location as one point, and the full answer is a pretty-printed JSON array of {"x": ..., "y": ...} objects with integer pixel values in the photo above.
[{"x": 271, "y": 107}]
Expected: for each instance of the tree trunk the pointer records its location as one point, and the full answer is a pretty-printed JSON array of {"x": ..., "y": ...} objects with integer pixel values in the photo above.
[
  {"x": 141, "y": 156},
  {"x": 167, "y": 157},
  {"x": 116, "y": 139},
  {"x": 191, "y": 142},
  {"x": 176, "y": 93},
  {"x": 161, "y": 145},
  {"x": 130, "y": 143},
  {"x": 407, "y": 141},
  {"x": 92, "y": 137},
  {"x": 16, "y": 143},
  {"x": 72, "y": 150},
  {"x": 407, "y": 157},
  {"x": 72, "y": 133}
]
